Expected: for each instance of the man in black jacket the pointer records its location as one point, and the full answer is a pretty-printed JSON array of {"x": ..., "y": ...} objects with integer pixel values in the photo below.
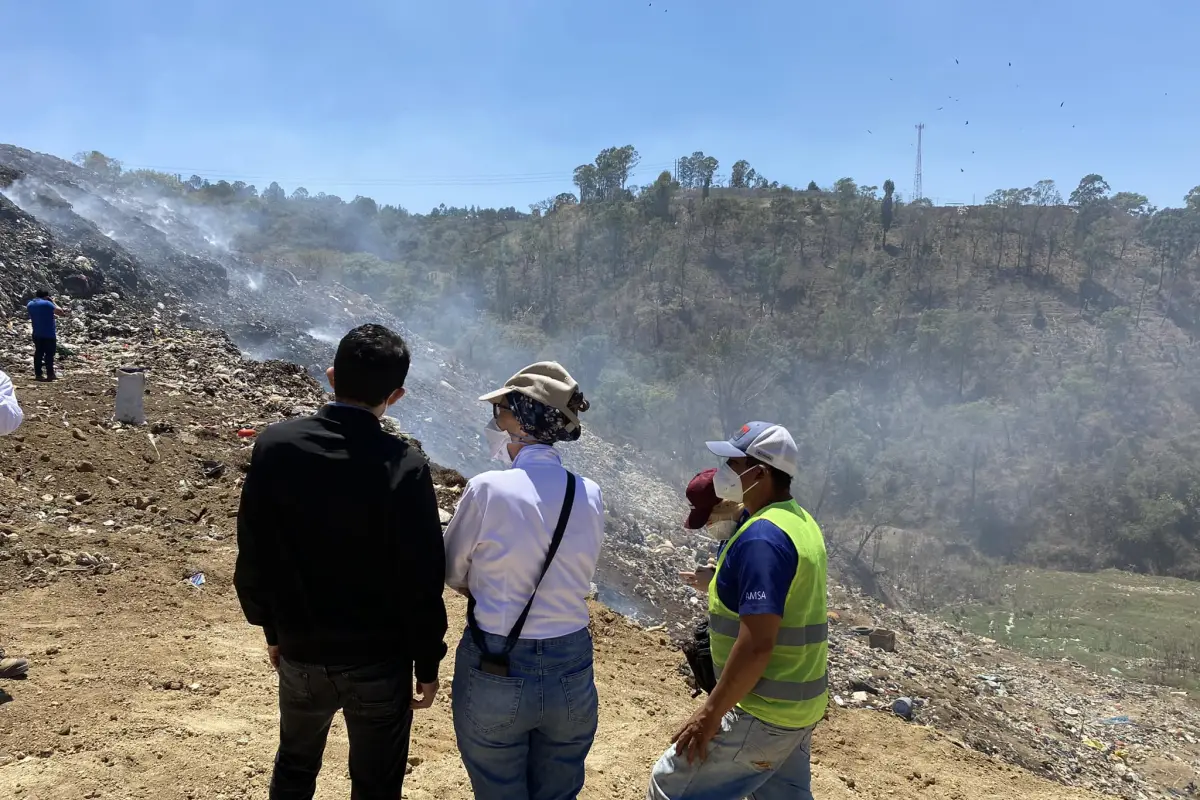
[{"x": 340, "y": 561}]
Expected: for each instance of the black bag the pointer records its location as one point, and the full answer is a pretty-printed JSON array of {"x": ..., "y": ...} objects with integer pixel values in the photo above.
[
  {"x": 497, "y": 663},
  {"x": 699, "y": 658}
]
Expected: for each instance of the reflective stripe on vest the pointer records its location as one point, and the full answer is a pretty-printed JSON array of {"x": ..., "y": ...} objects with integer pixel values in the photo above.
[
  {"x": 787, "y": 637},
  {"x": 786, "y": 690}
]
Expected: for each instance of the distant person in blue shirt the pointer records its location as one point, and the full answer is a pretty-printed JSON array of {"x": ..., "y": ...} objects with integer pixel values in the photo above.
[{"x": 43, "y": 310}]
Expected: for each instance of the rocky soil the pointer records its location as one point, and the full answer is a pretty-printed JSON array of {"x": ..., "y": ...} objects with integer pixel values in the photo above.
[{"x": 1054, "y": 718}]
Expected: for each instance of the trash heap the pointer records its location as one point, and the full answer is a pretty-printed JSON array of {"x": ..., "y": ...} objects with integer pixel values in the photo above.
[
  {"x": 1054, "y": 718},
  {"x": 638, "y": 575}
]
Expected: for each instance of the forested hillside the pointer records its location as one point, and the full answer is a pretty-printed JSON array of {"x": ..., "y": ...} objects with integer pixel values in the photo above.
[{"x": 1020, "y": 376}]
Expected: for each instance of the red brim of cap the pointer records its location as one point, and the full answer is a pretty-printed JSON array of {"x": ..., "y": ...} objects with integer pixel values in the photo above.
[{"x": 697, "y": 519}]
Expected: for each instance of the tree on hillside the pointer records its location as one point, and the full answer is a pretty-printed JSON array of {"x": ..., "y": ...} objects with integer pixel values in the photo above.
[
  {"x": 1192, "y": 199},
  {"x": 274, "y": 193},
  {"x": 97, "y": 162},
  {"x": 812, "y": 186},
  {"x": 885, "y": 209},
  {"x": 744, "y": 176},
  {"x": 697, "y": 170},
  {"x": 562, "y": 200},
  {"x": 606, "y": 177},
  {"x": 364, "y": 207},
  {"x": 613, "y": 166},
  {"x": 1090, "y": 198},
  {"x": 836, "y": 451},
  {"x": 1044, "y": 196},
  {"x": 740, "y": 366},
  {"x": 1174, "y": 235},
  {"x": 659, "y": 196},
  {"x": 1005, "y": 203},
  {"x": 153, "y": 179},
  {"x": 1131, "y": 203},
  {"x": 588, "y": 182},
  {"x": 1092, "y": 189}
]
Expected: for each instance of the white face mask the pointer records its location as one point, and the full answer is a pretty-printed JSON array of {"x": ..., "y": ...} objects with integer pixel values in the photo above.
[
  {"x": 498, "y": 441},
  {"x": 722, "y": 530},
  {"x": 728, "y": 484}
]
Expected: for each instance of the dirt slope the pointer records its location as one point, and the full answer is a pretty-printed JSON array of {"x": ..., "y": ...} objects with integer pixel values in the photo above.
[{"x": 94, "y": 720}]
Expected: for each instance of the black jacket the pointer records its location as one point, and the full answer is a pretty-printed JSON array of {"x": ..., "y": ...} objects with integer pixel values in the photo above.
[{"x": 340, "y": 555}]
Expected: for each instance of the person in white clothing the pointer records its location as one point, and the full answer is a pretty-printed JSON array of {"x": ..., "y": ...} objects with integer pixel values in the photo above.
[
  {"x": 523, "y": 546},
  {"x": 11, "y": 417}
]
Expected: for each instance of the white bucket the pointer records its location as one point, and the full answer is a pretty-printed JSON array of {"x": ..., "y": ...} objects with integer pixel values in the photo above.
[{"x": 131, "y": 390}]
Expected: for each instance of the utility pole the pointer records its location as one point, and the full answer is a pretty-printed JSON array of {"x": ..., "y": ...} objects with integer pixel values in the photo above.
[{"x": 917, "y": 191}]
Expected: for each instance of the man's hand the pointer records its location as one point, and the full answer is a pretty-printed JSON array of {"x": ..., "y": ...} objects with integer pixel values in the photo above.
[
  {"x": 700, "y": 579},
  {"x": 424, "y": 694},
  {"x": 693, "y": 738},
  {"x": 273, "y": 656}
]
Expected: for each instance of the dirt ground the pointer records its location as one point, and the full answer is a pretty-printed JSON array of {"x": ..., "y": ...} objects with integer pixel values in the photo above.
[{"x": 143, "y": 685}]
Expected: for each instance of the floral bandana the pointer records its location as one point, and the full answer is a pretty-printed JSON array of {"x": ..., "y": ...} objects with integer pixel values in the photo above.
[{"x": 542, "y": 422}]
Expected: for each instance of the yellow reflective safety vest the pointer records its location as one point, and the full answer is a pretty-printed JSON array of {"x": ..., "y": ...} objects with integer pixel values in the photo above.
[{"x": 793, "y": 691}]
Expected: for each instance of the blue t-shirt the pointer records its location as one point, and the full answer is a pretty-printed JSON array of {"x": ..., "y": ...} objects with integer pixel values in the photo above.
[
  {"x": 758, "y": 570},
  {"x": 42, "y": 313}
]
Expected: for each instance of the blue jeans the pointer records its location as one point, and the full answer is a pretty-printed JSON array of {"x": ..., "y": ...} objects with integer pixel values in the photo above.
[
  {"x": 525, "y": 737},
  {"x": 747, "y": 758},
  {"x": 375, "y": 700}
]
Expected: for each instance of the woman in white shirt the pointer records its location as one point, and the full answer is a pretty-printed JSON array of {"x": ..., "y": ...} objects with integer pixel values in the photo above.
[{"x": 525, "y": 705}]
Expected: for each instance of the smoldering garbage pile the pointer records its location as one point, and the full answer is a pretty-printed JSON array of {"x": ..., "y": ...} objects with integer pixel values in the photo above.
[{"x": 133, "y": 266}]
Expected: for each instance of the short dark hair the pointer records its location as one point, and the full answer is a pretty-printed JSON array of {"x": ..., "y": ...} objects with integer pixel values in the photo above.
[
  {"x": 43, "y": 294},
  {"x": 779, "y": 479},
  {"x": 371, "y": 363}
]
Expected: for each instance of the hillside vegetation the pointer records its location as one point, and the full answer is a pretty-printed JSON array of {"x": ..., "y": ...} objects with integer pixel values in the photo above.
[{"x": 1018, "y": 378}]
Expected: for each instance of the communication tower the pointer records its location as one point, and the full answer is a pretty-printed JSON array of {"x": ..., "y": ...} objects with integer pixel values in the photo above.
[{"x": 917, "y": 173}]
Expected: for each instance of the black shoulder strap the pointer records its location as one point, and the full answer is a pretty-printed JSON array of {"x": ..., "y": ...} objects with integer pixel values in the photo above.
[{"x": 555, "y": 541}]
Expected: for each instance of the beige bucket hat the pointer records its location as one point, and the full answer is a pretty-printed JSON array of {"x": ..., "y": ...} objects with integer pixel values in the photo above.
[{"x": 547, "y": 382}]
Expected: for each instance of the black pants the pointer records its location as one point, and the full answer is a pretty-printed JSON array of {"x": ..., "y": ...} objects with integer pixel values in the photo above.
[
  {"x": 375, "y": 701},
  {"x": 43, "y": 356}
]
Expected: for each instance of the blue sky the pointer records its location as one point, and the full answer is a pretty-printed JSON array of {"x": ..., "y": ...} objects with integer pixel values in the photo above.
[{"x": 494, "y": 103}]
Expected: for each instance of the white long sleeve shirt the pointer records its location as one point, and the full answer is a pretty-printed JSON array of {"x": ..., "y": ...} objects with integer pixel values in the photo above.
[
  {"x": 11, "y": 415},
  {"x": 497, "y": 542}
]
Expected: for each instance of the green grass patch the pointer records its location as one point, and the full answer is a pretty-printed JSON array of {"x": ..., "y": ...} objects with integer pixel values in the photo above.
[{"x": 1145, "y": 627}]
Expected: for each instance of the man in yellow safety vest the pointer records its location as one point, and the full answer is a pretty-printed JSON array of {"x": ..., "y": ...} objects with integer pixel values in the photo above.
[{"x": 767, "y": 632}]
